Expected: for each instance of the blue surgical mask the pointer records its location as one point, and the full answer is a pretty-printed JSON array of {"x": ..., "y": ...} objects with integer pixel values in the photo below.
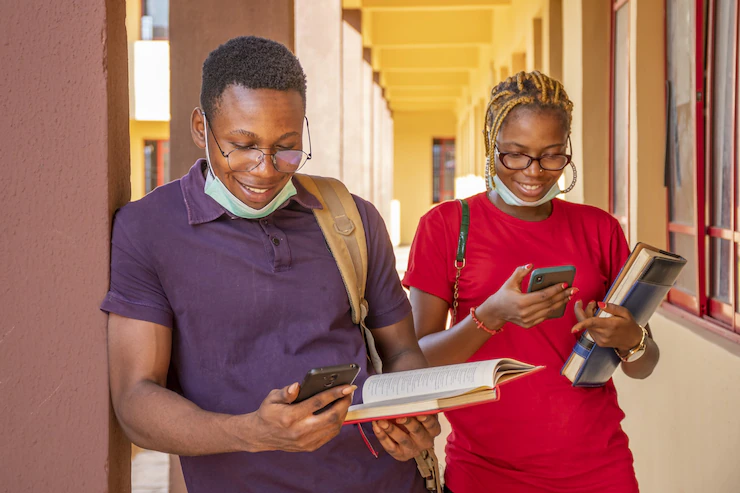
[
  {"x": 511, "y": 199},
  {"x": 215, "y": 189}
]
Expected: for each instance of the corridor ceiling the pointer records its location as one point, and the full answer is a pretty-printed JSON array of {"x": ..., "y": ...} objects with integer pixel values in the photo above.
[{"x": 426, "y": 51}]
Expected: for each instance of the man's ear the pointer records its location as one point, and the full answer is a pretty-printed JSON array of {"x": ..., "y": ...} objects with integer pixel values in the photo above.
[{"x": 198, "y": 128}]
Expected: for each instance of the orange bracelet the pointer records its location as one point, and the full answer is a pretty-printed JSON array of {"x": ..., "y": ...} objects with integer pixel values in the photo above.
[{"x": 482, "y": 326}]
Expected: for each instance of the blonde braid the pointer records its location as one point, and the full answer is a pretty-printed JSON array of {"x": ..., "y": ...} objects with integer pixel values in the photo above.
[{"x": 523, "y": 88}]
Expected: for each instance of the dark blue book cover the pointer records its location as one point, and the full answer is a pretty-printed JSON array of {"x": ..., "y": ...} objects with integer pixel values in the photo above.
[{"x": 592, "y": 366}]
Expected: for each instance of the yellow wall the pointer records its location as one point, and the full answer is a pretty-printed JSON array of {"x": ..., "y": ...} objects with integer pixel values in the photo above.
[
  {"x": 412, "y": 176},
  {"x": 683, "y": 421},
  {"x": 521, "y": 40},
  {"x": 139, "y": 131}
]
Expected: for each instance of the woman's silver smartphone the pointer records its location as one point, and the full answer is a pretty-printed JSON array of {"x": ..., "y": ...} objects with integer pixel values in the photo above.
[
  {"x": 321, "y": 379},
  {"x": 550, "y": 276}
]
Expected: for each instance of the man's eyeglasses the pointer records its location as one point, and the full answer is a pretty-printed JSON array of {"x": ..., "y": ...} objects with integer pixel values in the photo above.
[
  {"x": 248, "y": 158},
  {"x": 518, "y": 161}
]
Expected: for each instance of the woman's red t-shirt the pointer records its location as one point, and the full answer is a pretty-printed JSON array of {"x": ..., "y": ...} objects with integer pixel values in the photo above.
[{"x": 543, "y": 435}]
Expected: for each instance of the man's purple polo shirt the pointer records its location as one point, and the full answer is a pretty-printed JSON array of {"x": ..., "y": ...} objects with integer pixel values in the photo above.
[{"x": 253, "y": 305}]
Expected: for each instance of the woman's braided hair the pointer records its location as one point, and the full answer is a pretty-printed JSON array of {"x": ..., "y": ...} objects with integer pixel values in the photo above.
[{"x": 527, "y": 89}]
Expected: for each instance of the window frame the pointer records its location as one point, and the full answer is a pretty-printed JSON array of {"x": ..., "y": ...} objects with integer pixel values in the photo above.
[
  {"x": 703, "y": 310},
  {"x": 616, "y": 6},
  {"x": 716, "y": 309},
  {"x": 161, "y": 148},
  {"x": 695, "y": 304},
  {"x": 444, "y": 143}
]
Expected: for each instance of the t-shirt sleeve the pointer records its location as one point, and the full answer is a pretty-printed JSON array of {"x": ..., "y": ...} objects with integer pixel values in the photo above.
[
  {"x": 386, "y": 299},
  {"x": 431, "y": 256},
  {"x": 619, "y": 251},
  {"x": 135, "y": 289}
]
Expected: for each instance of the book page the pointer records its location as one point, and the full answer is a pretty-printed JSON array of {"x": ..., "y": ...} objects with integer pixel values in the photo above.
[{"x": 463, "y": 377}]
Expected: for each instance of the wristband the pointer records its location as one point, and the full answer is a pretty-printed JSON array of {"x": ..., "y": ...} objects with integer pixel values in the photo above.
[{"x": 482, "y": 326}]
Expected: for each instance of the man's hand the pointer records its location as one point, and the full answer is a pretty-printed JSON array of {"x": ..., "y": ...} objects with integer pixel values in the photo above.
[
  {"x": 407, "y": 437},
  {"x": 281, "y": 425}
]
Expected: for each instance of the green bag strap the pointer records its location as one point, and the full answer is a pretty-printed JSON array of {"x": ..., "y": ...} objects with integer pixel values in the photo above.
[{"x": 462, "y": 243}]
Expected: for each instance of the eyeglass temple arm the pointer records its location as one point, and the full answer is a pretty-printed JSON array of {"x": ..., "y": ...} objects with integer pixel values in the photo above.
[
  {"x": 205, "y": 119},
  {"x": 308, "y": 131}
]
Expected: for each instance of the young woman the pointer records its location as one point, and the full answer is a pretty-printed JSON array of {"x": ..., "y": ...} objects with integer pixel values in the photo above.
[{"x": 543, "y": 435}]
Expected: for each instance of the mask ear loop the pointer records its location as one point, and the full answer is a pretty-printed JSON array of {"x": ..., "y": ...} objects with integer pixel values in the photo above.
[{"x": 205, "y": 135}]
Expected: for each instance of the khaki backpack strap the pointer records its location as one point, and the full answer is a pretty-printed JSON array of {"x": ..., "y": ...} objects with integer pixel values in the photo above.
[
  {"x": 341, "y": 224},
  {"x": 428, "y": 466}
]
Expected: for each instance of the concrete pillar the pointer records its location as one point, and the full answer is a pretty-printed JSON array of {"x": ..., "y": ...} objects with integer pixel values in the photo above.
[
  {"x": 353, "y": 105},
  {"x": 65, "y": 170},
  {"x": 386, "y": 194},
  {"x": 537, "y": 57},
  {"x": 586, "y": 79},
  {"x": 367, "y": 125},
  {"x": 647, "y": 126},
  {"x": 196, "y": 28},
  {"x": 318, "y": 44},
  {"x": 518, "y": 62},
  {"x": 554, "y": 38},
  {"x": 378, "y": 104},
  {"x": 479, "y": 144}
]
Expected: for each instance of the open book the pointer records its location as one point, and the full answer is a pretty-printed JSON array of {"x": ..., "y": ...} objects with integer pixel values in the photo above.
[
  {"x": 645, "y": 279},
  {"x": 431, "y": 390}
]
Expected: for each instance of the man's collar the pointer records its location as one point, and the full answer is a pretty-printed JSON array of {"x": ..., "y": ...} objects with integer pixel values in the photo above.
[{"x": 202, "y": 208}]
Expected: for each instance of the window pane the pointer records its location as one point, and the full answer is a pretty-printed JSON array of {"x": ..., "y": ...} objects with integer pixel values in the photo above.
[
  {"x": 736, "y": 273},
  {"x": 721, "y": 251},
  {"x": 150, "y": 165},
  {"x": 685, "y": 246},
  {"x": 722, "y": 114},
  {"x": 155, "y": 19},
  {"x": 681, "y": 64},
  {"x": 163, "y": 175},
  {"x": 436, "y": 152},
  {"x": 448, "y": 158},
  {"x": 620, "y": 125}
]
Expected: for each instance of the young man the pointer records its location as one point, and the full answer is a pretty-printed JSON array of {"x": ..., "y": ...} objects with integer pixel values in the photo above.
[{"x": 223, "y": 292}]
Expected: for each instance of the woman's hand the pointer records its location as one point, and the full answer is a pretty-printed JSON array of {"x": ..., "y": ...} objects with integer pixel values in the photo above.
[
  {"x": 618, "y": 331},
  {"x": 509, "y": 304}
]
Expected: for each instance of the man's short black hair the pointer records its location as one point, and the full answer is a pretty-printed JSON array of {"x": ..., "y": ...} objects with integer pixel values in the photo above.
[{"x": 251, "y": 62}]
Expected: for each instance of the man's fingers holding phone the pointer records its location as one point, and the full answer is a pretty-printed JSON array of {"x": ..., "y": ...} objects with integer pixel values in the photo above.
[
  {"x": 327, "y": 397},
  {"x": 285, "y": 426}
]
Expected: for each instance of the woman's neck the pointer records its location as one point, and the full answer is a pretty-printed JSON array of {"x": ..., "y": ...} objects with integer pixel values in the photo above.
[{"x": 532, "y": 214}]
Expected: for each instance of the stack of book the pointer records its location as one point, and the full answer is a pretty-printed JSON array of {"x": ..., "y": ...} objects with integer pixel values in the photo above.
[{"x": 641, "y": 285}]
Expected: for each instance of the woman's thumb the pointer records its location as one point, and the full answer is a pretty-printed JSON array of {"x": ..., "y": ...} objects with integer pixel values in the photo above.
[{"x": 515, "y": 281}]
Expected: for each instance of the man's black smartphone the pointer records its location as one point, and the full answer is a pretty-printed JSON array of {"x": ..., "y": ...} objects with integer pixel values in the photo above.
[{"x": 321, "y": 379}]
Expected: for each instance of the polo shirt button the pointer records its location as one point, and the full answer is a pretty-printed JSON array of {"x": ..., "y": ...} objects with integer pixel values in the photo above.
[{"x": 276, "y": 241}]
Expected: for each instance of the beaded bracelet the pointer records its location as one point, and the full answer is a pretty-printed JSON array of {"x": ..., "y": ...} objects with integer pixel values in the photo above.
[{"x": 482, "y": 326}]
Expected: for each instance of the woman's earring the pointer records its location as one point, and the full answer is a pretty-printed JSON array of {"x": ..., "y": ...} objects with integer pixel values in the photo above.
[{"x": 575, "y": 178}]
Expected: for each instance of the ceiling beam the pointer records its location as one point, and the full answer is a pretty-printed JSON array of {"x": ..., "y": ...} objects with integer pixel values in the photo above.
[
  {"x": 428, "y": 59},
  {"x": 431, "y": 28},
  {"x": 421, "y": 106},
  {"x": 441, "y": 92},
  {"x": 396, "y": 5},
  {"x": 421, "y": 79}
]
